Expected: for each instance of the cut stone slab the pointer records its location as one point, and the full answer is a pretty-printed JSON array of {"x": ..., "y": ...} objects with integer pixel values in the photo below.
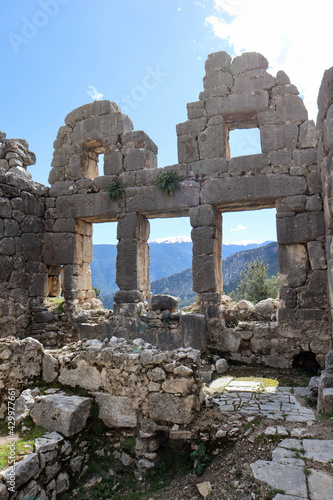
[
  {"x": 61, "y": 413},
  {"x": 287, "y": 497},
  {"x": 219, "y": 384},
  {"x": 282, "y": 477},
  {"x": 319, "y": 450},
  {"x": 205, "y": 489},
  {"x": 116, "y": 411},
  {"x": 243, "y": 386},
  {"x": 320, "y": 485}
]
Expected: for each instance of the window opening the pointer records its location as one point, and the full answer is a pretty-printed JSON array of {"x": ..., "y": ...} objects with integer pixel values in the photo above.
[{"x": 244, "y": 142}]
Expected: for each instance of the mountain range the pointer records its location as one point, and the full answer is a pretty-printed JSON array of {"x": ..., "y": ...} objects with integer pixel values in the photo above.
[{"x": 170, "y": 266}]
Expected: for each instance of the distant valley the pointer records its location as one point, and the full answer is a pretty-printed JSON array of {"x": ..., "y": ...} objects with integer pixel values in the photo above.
[{"x": 170, "y": 267}]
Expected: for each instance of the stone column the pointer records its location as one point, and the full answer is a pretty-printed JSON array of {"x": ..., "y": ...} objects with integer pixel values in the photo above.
[
  {"x": 206, "y": 235},
  {"x": 132, "y": 274}
]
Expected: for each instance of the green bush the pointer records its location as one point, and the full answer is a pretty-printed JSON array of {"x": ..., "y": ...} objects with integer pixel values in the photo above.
[
  {"x": 115, "y": 190},
  {"x": 255, "y": 285},
  {"x": 167, "y": 182}
]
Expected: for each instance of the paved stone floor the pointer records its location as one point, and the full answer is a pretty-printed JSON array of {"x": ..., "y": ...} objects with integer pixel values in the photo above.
[
  {"x": 280, "y": 405},
  {"x": 290, "y": 472},
  {"x": 294, "y": 469}
]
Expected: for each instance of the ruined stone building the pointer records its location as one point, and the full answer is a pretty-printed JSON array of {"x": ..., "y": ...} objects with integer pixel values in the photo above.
[{"x": 46, "y": 232}]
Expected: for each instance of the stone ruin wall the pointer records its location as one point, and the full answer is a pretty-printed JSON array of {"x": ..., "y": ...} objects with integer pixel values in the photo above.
[{"x": 237, "y": 94}]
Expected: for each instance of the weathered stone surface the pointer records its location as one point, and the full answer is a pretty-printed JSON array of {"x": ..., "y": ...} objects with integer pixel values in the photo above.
[
  {"x": 116, "y": 411},
  {"x": 244, "y": 102},
  {"x": 211, "y": 142},
  {"x": 193, "y": 328},
  {"x": 256, "y": 79},
  {"x": 219, "y": 60},
  {"x": 65, "y": 414},
  {"x": 275, "y": 137},
  {"x": 281, "y": 476},
  {"x": 24, "y": 470},
  {"x": 262, "y": 189},
  {"x": 49, "y": 442},
  {"x": 24, "y": 403},
  {"x": 316, "y": 294},
  {"x": 4, "y": 494},
  {"x": 248, "y": 61},
  {"x": 169, "y": 408},
  {"x": 301, "y": 228},
  {"x": 221, "y": 366},
  {"x": 316, "y": 255},
  {"x": 178, "y": 385},
  {"x": 293, "y": 265},
  {"x": 217, "y": 78},
  {"x": 206, "y": 274},
  {"x": 250, "y": 164},
  {"x": 291, "y": 108},
  {"x": 163, "y": 302},
  {"x": 308, "y": 135},
  {"x": 83, "y": 375}
]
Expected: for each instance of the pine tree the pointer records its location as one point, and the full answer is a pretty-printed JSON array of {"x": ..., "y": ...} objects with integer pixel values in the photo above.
[{"x": 255, "y": 285}]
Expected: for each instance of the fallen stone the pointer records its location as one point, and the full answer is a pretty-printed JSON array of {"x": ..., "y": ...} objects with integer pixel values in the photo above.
[
  {"x": 221, "y": 366},
  {"x": 319, "y": 450},
  {"x": 64, "y": 414},
  {"x": 48, "y": 442},
  {"x": 24, "y": 470},
  {"x": 24, "y": 403},
  {"x": 4, "y": 494},
  {"x": 205, "y": 489}
]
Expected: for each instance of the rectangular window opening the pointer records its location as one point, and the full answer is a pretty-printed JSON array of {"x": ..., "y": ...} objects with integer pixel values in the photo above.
[{"x": 244, "y": 142}]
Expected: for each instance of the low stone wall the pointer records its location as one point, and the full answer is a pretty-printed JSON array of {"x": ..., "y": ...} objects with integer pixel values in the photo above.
[{"x": 133, "y": 389}]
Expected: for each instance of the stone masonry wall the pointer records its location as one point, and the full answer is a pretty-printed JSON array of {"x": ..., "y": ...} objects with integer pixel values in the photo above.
[
  {"x": 139, "y": 392},
  {"x": 238, "y": 93},
  {"x": 22, "y": 273}
]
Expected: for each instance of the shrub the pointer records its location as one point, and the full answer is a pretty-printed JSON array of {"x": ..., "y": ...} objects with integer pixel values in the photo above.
[
  {"x": 115, "y": 190},
  {"x": 167, "y": 182}
]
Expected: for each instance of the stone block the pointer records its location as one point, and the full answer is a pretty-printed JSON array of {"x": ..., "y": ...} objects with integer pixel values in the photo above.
[
  {"x": 127, "y": 277},
  {"x": 239, "y": 104},
  {"x": 163, "y": 302},
  {"x": 188, "y": 149},
  {"x": 178, "y": 385},
  {"x": 203, "y": 215},
  {"x": 128, "y": 296},
  {"x": 261, "y": 190},
  {"x": 133, "y": 225},
  {"x": 170, "y": 408},
  {"x": 101, "y": 127},
  {"x": 150, "y": 200},
  {"x": 32, "y": 245},
  {"x": 6, "y": 209},
  {"x": 218, "y": 60},
  {"x": 316, "y": 255},
  {"x": 275, "y": 137},
  {"x": 59, "y": 248},
  {"x": 293, "y": 265},
  {"x": 97, "y": 205},
  {"x": 30, "y": 224},
  {"x": 38, "y": 285},
  {"x": 116, "y": 411},
  {"x": 113, "y": 162},
  {"x": 7, "y": 246},
  {"x": 284, "y": 90},
  {"x": 291, "y": 108},
  {"x": 32, "y": 205},
  {"x": 191, "y": 127},
  {"x": 81, "y": 374},
  {"x": 138, "y": 139},
  {"x": 229, "y": 341},
  {"x": 287, "y": 297},
  {"x": 61, "y": 413},
  {"x": 50, "y": 367},
  {"x": 256, "y": 79},
  {"x": 247, "y": 62},
  {"x": 212, "y": 142},
  {"x": 250, "y": 164},
  {"x": 305, "y": 157},
  {"x": 217, "y": 78},
  {"x": 194, "y": 331},
  {"x": 6, "y": 267},
  {"x": 27, "y": 468},
  {"x": 209, "y": 167},
  {"x": 328, "y": 129},
  {"x": 139, "y": 158},
  {"x": 301, "y": 228},
  {"x": 203, "y": 238},
  {"x": 316, "y": 293},
  {"x": 206, "y": 275},
  {"x": 308, "y": 135}
]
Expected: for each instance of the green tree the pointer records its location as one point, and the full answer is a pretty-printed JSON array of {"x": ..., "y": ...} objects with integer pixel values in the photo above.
[
  {"x": 97, "y": 292},
  {"x": 255, "y": 285}
]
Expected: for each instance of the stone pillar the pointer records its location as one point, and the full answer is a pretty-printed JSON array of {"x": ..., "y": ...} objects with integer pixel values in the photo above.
[{"x": 132, "y": 274}]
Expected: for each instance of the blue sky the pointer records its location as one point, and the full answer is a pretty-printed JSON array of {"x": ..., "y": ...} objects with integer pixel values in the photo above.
[{"x": 148, "y": 56}]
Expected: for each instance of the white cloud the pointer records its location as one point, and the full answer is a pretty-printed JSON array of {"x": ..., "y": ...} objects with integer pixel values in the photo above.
[
  {"x": 94, "y": 94},
  {"x": 295, "y": 37},
  {"x": 179, "y": 9},
  {"x": 240, "y": 227}
]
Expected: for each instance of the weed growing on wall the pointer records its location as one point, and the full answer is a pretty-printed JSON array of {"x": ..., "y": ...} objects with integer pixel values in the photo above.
[
  {"x": 115, "y": 190},
  {"x": 167, "y": 182}
]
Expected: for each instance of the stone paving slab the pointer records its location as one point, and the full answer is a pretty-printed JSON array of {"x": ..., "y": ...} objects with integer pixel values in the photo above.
[
  {"x": 288, "y": 474},
  {"x": 320, "y": 485},
  {"x": 291, "y": 480},
  {"x": 277, "y": 406},
  {"x": 314, "y": 449}
]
